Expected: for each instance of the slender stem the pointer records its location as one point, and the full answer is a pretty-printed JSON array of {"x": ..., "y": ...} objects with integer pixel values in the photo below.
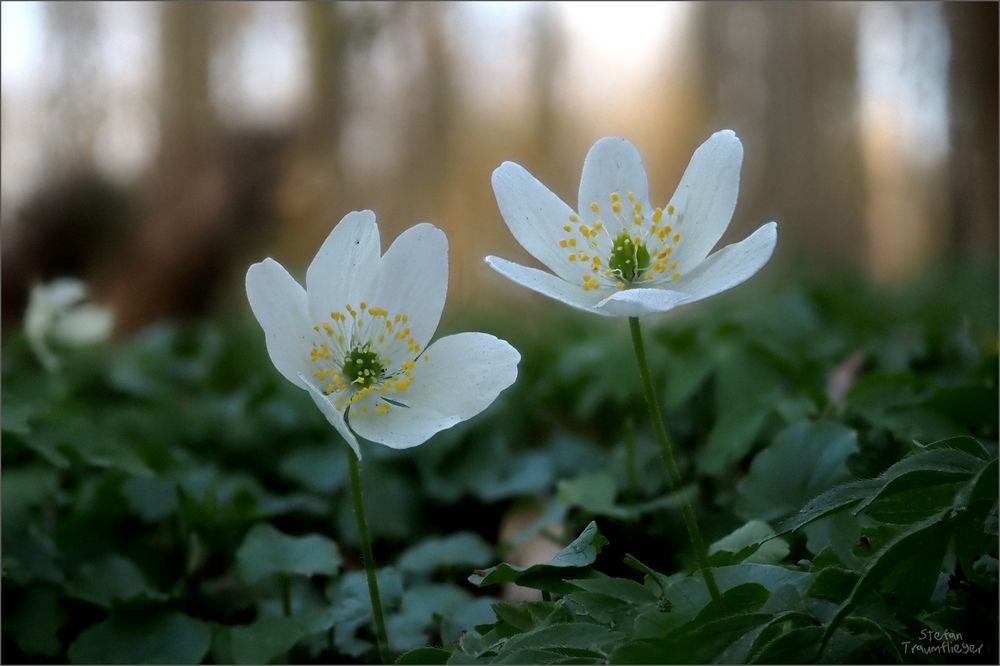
[
  {"x": 366, "y": 557},
  {"x": 668, "y": 459}
]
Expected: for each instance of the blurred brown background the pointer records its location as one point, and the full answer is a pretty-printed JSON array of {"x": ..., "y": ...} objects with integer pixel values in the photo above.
[{"x": 157, "y": 149}]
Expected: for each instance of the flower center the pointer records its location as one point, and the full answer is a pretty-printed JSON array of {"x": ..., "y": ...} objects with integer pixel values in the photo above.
[
  {"x": 639, "y": 253},
  {"x": 350, "y": 357},
  {"x": 627, "y": 259},
  {"x": 363, "y": 365}
]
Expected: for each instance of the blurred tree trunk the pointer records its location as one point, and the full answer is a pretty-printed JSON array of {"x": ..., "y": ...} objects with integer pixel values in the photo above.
[
  {"x": 186, "y": 116},
  {"x": 780, "y": 75},
  {"x": 973, "y": 102},
  {"x": 327, "y": 32},
  {"x": 76, "y": 100},
  {"x": 546, "y": 61}
]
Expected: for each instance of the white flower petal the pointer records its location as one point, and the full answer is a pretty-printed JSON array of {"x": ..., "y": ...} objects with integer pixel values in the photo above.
[
  {"x": 547, "y": 284},
  {"x": 335, "y": 418},
  {"x": 731, "y": 265},
  {"x": 345, "y": 268},
  {"x": 279, "y": 304},
  {"x": 641, "y": 302},
  {"x": 612, "y": 165},
  {"x": 414, "y": 280},
  {"x": 536, "y": 217},
  {"x": 461, "y": 376},
  {"x": 706, "y": 197},
  {"x": 83, "y": 324}
]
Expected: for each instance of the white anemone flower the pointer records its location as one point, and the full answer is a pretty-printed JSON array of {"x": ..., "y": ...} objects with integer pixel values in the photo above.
[
  {"x": 356, "y": 338},
  {"x": 620, "y": 256},
  {"x": 59, "y": 314}
]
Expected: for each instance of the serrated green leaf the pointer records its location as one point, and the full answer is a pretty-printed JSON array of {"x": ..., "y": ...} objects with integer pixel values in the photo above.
[
  {"x": 266, "y": 551},
  {"x": 913, "y": 496},
  {"x": 908, "y": 566},
  {"x": 424, "y": 655},
  {"x": 963, "y": 443},
  {"x": 156, "y": 638},
  {"x": 580, "y": 635}
]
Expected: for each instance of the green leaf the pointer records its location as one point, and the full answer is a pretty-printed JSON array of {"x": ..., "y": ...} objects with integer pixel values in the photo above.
[
  {"x": 568, "y": 563},
  {"x": 796, "y": 646},
  {"x": 462, "y": 549},
  {"x": 732, "y": 437},
  {"x": 963, "y": 443},
  {"x": 35, "y": 621},
  {"x": 913, "y": 496},
  {"x": 594, "y": 493},
  {"x": 264, "y": 640},
  {"x": 744, "y": 598},
  {"x": 804, "y": 460},
  {"x": 580, "y": 635},
  {"x": 833, "y": 584},
  {"x": 699, "y": 644},
  {"x": 157, "y": 638},
  {"x": 266, "y": 551},
  {"x": 24, "y": 489},
  {"x": 747, "y": 544},
  {"x": 321, "y": 469},
  {"x": 908, "y": 566},
  {"x": 113, "y": 578},
  {"x": 424, "y": 655}
]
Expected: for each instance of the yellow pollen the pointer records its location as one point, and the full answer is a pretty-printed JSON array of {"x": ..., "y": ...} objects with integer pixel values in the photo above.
[
  {"x": 615, "y": 197},
  {"x": 620, "y": 285},
  {"x": 594, "y": 207},
  {"x": 364, "y": 306},
  {"x": 563, "y": 243},
  {"x": 676, "y": 237},
  {"x": 631, "y": 197},
  {"x": 616, "y": 207},
  {"x": 327, "y": 328},
  {"x": 675, "y": 277},
  {"x": 670, "y": 209},
  {"x": 572, "y": 242},
  {"x": 567, "y": 228},
  {"x": 585, "y": 231},
  {"x": 316, "y": 328},
  {"x": 572, "y": 257},
  {"x": 638, "y": 207},
  {"x": 657, "y": 214},
  {"x": 573, "y": 218}
]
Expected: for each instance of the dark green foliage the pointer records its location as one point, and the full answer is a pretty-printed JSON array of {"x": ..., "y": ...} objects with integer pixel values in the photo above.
[{"x": 172, "y": 499}]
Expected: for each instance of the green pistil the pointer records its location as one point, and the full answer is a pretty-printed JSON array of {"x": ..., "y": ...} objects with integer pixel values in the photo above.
[
  {"x": 628, "y": 260},
  {"x": 364, "y": 363}
]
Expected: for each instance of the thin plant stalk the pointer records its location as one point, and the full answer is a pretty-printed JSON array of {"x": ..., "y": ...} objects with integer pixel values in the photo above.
[
  {"x": 366, "y": 557},
  {"x": 666, "y": 452}
]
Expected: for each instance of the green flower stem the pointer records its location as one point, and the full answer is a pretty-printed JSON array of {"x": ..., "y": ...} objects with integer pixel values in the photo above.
[
  {"x": 366, "y": 557},
  {"x": 668, "y": 459}
]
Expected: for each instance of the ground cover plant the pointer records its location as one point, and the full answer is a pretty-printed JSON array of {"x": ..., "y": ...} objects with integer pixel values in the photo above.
[{"x": 172, "y": 498}]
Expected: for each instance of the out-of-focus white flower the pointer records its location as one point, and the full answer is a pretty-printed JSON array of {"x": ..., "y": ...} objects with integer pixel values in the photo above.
[
  {"x": 356, "y": 338},
  {"x": 618, "y": 255},
  {"x": 58, "y": 315}
]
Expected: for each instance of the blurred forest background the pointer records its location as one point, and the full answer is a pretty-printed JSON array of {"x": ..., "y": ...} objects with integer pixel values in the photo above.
[{"x": 156, "y": 149}]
